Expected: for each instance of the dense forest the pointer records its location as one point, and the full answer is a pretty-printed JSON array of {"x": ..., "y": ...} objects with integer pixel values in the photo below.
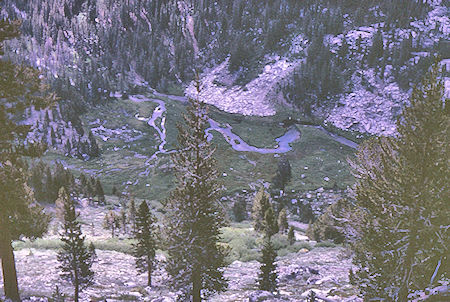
[{"x": 94, "y": 48}]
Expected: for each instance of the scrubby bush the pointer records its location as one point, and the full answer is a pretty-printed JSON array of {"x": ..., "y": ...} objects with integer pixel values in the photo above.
[{"x": 331, "y": 225}]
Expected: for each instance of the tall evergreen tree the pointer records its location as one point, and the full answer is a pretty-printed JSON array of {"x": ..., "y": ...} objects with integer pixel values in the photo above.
[
  {"x": 75, "y": 257},
  {"x": 377, "y": 48},
  {"x": 114, "y": 190},
  {"x": 291, "y": 235},
  {"x": 260, "y": 205},
  {"x": 111, "y": 222},
  {"x": 123, "y": 220},
  {"x": 60, "y": 203},
  {"x": 194, "y": 217},
  {"x": 270, "y": 222},
  {"x": 145, "y": 249},
  {"x": 267, "y": 277},
  {"x": 402, "y": 187},
  {"x": 20, "y": 89},
  {"x": 99, "y": 191},
  {"x": 94, "y": 150},
  {"x": 283, "y": 175},
  {"x": 282, "y": 221},
  {"x": 240, "y": 210},
  {"x": 132, "y": 213}
]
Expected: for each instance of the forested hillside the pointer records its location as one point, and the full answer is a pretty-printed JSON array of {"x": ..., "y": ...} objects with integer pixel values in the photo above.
[{"x": 100, "y": 47}]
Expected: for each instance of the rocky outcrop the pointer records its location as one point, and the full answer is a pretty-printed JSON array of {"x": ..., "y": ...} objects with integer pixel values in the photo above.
[
  {"x": 259, "y": 97},
  {"x": 372, "y": 106}
]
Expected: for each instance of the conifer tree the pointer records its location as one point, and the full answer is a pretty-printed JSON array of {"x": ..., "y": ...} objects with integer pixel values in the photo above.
[
  {"x": 270, "y": 222},
  {"x": 267, "y": 277},
  {"x": 283, "y": 225},
  {"x": 402, "y": 190},
  {"x": 283, "y": 175},
  {"x": 57, "y": 295},
  {"x": 20, "y": 88},
  {"x": 53, "y": 136},
  {"x": 312, "y": 296},
  {"x": 240, "y": 210},
  {"x": 145, "y": 249},
  {"x": 123, "y": 220},
  {"x": 111, "y": 222},
  {"x": 260, "y": 205},
  {"x": 376, "y": 51},
  {"x": 291, "y": 235},
  {"x": 194, "y": 217},
  {"x": 75, "y": 257},
  {"x": 94, "y": 150},
  {"x": 114, "y": 190},
  {"x": 99, "y": 191},
  {"x": 132, "y": 213},
  {"x": 60, "y": 202}
]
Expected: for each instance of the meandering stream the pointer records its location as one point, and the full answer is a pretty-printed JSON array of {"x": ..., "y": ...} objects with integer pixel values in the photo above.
[
  {"x": 235, "y": 141},
  {"x": 158, "y": 120}
]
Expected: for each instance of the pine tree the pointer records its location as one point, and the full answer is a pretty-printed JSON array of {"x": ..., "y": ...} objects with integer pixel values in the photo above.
[
  {"x": 75, "y": 257},
  {"x": 282, "y": 221},
  {"x": 99, "y": 191},
  {"x": 283, "y": 175},
  {"x": 240, "y": 210},
  {"x": 20, "y": 88},
  {"x": 60, "y": 202},
  {"x": 402, "y": 189},
  {"x": 291, "y": 235},
  {"x": 270, "y": 222},
  {"x": 94, "y": 150},
  {"x": 57, "y": 295},
  {"x": 377, "y": 49},
  {"x": 111, "y": 222},
  {"x": 312, "y": 296},
  {"x": 194, "y": 217},
  {"x": 260, "y": 205},
  {"x": 53, "y": 136},
  {"x": 132, "y": 213},
  {"x": 145, "y": 249},
  {"x": 267, "y": 277},
  {"x": 114, "y": 190},
  {"x": 123, "y": 220}
]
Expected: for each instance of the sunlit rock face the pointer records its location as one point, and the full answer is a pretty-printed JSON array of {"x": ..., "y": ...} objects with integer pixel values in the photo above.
[{"x": 259, "y": 97}]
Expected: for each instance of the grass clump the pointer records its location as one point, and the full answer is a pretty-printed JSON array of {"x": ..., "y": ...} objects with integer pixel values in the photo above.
[
  {"x": 115, "y": 244},
  {"x": 111, "y": 244},
  {"x": 245, "y": 244},
  {"x": 38, "y": 244},
  {"x": 326, "y": 243}
]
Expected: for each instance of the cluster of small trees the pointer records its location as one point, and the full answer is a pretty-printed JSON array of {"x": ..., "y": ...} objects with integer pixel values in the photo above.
[
  {"x": 47, "y": 180},
  {"x": 64, "y": 131},
  {"x": 127, "y": 216},
  {"x": 76, "y": 257},
  {"x": 265, "y": 220}
]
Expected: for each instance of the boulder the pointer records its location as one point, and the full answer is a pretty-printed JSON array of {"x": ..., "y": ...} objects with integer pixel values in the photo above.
[{"x": 260, "y": 296}]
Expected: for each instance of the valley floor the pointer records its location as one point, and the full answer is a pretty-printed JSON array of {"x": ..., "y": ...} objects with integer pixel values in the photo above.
[{"x": 323, "y": 269}]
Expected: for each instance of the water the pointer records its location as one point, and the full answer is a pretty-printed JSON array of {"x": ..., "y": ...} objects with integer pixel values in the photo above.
[{"x": 235, "y": 141}]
